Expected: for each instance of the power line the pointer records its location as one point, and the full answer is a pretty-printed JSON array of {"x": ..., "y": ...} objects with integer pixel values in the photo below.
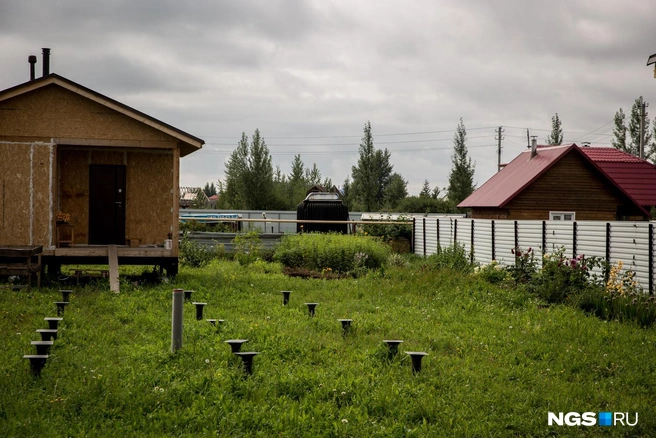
[
  {"x": 350, "y": 144},
  {"x": 358, "y": 136},
  {"x": 345, "y": 152}
]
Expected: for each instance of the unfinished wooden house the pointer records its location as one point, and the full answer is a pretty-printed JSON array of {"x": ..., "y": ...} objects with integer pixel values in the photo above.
[{"x": 108, "y": 170}]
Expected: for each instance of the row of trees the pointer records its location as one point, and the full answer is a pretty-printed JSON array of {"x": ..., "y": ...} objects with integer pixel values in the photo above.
[
  {"x": 620, "y": 140},
  {"x": 632, "y": 143},
  {"x": 251, "y": 183}
]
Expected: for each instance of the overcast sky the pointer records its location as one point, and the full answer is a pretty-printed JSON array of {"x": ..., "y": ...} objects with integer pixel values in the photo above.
[{"x": 310, "y": 74}]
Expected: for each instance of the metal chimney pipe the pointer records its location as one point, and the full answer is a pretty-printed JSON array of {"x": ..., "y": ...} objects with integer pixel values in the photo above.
[
  {"x": 46, "y": 61},
  {"x": 534, "y": 146},
  {"x": 32, "y": 60}
]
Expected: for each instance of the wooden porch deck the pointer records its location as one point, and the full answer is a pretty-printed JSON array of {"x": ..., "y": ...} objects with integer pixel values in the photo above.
[{"x": 101, "y": 251}]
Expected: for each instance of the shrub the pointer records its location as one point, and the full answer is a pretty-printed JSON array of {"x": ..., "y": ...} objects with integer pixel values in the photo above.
[
  {"x": 247, "y": 247},
  {"x": 493, "y": 272},
  {"x": 340, "y": 254},
  {"x": 388, "y": 232},
  {"x": 453, "y": 257},
  {"x": 193, "y": 254},
  {"x": 562, "y": 278},
  {"x": 525, "y": 265}
]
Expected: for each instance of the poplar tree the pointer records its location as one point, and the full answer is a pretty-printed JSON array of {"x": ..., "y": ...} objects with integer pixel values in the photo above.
[
  {"x": 461, "y": 178},
  {"x": 556, "y": 136},
  {"x": 619, "y": 132}
]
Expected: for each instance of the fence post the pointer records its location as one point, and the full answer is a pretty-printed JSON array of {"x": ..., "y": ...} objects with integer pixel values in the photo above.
[
  {"x": 437, "y": 245},
  {"x": 651, "y": 259},
  {"x": 494, "y": 250},
  {"x": 176, "y": 320},
  {"x": 471, "y": 243},
  {"x": 424, "y": 233},
  {"x": 516, "y": 228},
  {"x": 544, "y": 238},
  {"x": 607, "y": 273},
  {"x": 412, "y": 241},
  {"x": 574, "y": 232}
]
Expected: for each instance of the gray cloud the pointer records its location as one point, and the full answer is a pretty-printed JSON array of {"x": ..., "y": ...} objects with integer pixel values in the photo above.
[{"x": 314, "y": 68}]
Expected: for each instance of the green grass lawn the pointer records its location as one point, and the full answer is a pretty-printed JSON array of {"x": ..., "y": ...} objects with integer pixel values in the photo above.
[{"x": 497, "y": 361}]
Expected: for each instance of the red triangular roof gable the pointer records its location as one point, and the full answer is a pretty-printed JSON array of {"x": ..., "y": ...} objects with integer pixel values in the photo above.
[
  {"x": 510, "y": 181},
  {"x": 637, "y": 177}
]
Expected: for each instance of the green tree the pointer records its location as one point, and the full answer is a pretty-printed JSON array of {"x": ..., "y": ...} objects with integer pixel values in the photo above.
[
  {"x": 396, "y": 190},
  {"x": 297, "y": 184},
  {"x": 619, "y": 132},
  {"x": 235, "y": 170},
  {"x": 418, "y": 204},
  {"x": 632, "y": 147},
  {"x": 258, "y": 176},
  {"x": 461, "y": 178},
  {"x": 634, "y": 130},
  {"x": 372, "y": 174},
  {"x": 346, "y": 196},
  {"x": 313, "y": 176},
  {"x": 209, "y": 189},
  {"x": 249, "y": 180},
  {"x": 556, "y": 136},
  {"x": 425, "y": 190}
]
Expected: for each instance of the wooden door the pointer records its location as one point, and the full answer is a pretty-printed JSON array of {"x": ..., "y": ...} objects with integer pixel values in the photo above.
[{"x": 106, "y": 204}]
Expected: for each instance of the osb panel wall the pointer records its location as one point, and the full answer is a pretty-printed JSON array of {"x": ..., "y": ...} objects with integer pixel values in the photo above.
[
  {"x": 74, "y": 190},
  {"x": 25, "y": 200},
  {"x": 149, "y": 196},
  {"x": 42, "y": 196},
  {"x": 53, "y": 111}
]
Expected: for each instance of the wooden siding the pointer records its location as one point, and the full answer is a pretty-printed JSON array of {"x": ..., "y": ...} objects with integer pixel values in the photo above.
[{"x": 573, "y": 185}]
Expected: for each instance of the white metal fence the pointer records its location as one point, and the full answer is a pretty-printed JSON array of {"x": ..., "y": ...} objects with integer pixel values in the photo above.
[{"x": 629, "y": 242}]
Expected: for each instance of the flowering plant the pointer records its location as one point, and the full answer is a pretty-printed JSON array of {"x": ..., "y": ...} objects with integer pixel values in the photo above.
[{"x": 63, "y": 218}]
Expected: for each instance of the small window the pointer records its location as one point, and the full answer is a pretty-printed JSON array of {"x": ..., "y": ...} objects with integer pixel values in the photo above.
[{"x": 562, "y": 216}]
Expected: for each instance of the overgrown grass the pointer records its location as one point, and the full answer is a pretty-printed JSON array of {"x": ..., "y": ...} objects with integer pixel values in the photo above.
[
  {"x": 336, "y": 253},
  {"x": 497, "y": 362}
]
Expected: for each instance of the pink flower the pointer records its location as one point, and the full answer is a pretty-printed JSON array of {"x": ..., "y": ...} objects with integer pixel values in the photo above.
[{"x": 572, "y": 263}]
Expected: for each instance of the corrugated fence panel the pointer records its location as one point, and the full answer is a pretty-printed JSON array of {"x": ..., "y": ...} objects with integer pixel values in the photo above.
[
  {"x": 559, "y": 235},
  {"x": 504, "y": 241},
  {"x": 529, "y": 235},
  {"x": 591, "y": 241},
  {"x": 464, "y": 234},
  {"x": 419, "y": 236},
  {"x": 431, "y": 236},
  {"x": 629, "y": 243},
  {"x": 483, "y": 241},
  {"x": 446, "y": 232}
]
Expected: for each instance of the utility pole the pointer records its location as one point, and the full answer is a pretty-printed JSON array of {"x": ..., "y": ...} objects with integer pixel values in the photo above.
[
  {"x": 643, "y": 114},
  {"x": 499, "y": 137},
  {"x": 528, "y": 140}
]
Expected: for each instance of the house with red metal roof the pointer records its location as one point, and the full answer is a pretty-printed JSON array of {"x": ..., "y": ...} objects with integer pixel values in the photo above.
[{"x": 568, "y": 182}]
